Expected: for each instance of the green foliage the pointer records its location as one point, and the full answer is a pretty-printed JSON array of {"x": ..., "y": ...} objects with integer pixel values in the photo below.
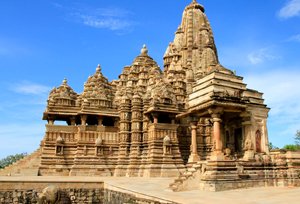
[
  {"x": 296, "y": 146},
  {"x": 292, "y": 147},
  {"x": 297, "y": 137},
  {"x": 11, "y": 159}
]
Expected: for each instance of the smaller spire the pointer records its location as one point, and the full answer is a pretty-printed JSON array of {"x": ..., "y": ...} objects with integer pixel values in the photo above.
[
  {"x": 98, "y": 69},
  {"x": 144, "y": 50}
]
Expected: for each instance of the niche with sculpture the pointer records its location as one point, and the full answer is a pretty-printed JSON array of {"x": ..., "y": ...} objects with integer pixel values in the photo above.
[
  {"x": 167, "y": 145},
  {"x": 59, "y": 148},
  {"x": 99, "y": 146}
]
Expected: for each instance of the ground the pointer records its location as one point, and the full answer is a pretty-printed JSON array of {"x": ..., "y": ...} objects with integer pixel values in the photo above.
[{"x": 158, "y": 187}]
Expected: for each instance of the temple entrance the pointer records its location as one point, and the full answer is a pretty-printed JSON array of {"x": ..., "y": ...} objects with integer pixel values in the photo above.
[
  {"x": 258, "y": 141},
  {"x": 238, "y": 140}
]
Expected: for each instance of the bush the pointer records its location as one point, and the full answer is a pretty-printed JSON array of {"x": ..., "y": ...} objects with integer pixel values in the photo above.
[
  {"x": 11, "y": 159},
  {"x": 292, "y": 147}
]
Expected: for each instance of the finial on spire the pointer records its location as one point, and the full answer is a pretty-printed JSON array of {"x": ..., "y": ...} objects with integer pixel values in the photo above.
[
  {"x": 65, "y": 81},
  {"x": 194, "y": 1},
  {"x": 98, "y": 69},
  {"x": 144, "y": 50}
]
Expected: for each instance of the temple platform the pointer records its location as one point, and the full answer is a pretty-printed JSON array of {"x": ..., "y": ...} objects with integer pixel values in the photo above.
[{"x": 156, "y": 189}]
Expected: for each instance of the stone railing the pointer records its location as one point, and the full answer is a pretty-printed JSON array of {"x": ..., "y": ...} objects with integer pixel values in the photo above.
[
  {"x": 67, "y": 136},
  {"x": 160, "y": 130},
  {"x": 64, "y": 102},
  {"x": 90, "y": 136},
  {"x": 62, "y": 128}
]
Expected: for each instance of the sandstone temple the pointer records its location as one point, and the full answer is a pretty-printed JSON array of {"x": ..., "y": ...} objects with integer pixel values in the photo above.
[{"x": 194, "y": 120}]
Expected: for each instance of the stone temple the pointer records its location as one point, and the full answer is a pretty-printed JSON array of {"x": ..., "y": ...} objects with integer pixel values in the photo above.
[{"x": 194, "y": 120}]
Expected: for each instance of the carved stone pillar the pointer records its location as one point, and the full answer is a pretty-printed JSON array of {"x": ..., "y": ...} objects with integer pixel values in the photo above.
[
  {"x": 155, "y": 117},
  {"x": 217, "y": 153},
  {"x": 248, "y": 141},
  {"x": 194, "y": 157},
  {"x": 83, "y": 119},
  {"x": 51, "y": 120},
  {"x": 136, "y": 135},
  {"x": 217, "y": 133},
  {"x": 100, "y": 119},
  {"x": 73, "y": 120},
  {"x": 124, "y": 134}
]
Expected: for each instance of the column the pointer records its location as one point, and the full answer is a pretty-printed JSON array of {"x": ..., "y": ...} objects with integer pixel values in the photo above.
[
  {"x": 155, "y": 117},
  {"x": 217, "y": 153},
  {"x": 194, "y": 157},
  {"x": 248, "y": 141},
  {"x": 51, "y": 120},
  {"x": 73, "y": 120},
  {"x": 217, "y": 133},
  {"x": 100, "y": 119},
  {"x": 83, "y": 120}
]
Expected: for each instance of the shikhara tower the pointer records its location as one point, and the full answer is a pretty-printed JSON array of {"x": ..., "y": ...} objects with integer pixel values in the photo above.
[{"x": 194, "y": 118}]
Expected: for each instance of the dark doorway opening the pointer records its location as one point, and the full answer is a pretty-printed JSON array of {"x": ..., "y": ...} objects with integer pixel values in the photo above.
[{"x": 238, "y": 139}]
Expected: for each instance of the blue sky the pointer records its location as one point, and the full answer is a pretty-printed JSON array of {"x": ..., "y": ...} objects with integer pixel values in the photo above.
[{"x": 41, "y": 42}]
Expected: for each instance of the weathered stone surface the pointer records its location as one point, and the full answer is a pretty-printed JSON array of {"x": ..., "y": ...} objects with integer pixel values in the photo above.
[{"x": 196, "y": 120}]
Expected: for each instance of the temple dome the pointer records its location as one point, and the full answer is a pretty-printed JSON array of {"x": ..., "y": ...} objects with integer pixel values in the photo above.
[
  {"x": 139, "y": 76},
  {"x": 97, "y": 89},
  {"x": 162, "y": 92},
  {"x": 63, "y": 92}
]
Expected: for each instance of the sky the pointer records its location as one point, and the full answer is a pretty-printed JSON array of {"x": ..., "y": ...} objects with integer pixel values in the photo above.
[{"x": 43, "y": 42}]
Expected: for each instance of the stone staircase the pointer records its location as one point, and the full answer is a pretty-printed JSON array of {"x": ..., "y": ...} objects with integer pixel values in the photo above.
[
  {"x": 28, "y": 166},
  {"x": 189, "y": 180}
]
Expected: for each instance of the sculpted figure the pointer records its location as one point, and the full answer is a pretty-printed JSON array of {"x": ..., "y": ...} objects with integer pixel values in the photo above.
[
  {"x": 167, "y": 145},
  {"x": 53, "y": 195},
  {"x": 248, "y": 145}
]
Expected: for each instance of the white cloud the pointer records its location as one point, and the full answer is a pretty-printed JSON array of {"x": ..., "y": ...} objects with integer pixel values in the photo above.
[
  {"x": 114, "y": 19},
  {"x": 280, "y": 88},
  {"x": 18, "y": 138},
  {"x": 26, "y": 87},
  {"x": 291, "y": 9},
  {"x": 261, "y": 55},
  {"x": 282, "y": 95},
  {"x": 109, "y": 23},
  {"x": 294, "y": 38}
]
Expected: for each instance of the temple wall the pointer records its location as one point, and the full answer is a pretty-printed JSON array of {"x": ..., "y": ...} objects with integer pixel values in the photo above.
[
  {"x": 79, "y": 154},
  {"x": 28, "y": 190}
]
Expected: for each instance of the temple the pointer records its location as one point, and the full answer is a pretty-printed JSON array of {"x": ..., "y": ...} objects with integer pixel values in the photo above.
[{"x": 195, "y": 120}]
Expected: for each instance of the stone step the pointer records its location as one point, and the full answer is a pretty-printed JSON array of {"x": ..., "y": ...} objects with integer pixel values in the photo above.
[{"x": 30, "y": 162}]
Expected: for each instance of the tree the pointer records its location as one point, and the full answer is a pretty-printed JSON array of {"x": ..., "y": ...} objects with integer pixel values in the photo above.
[
  {"x": 297, "y": 138},
  {"x": 291, "y": 147},
  {"x": 11, "y": 159}
]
